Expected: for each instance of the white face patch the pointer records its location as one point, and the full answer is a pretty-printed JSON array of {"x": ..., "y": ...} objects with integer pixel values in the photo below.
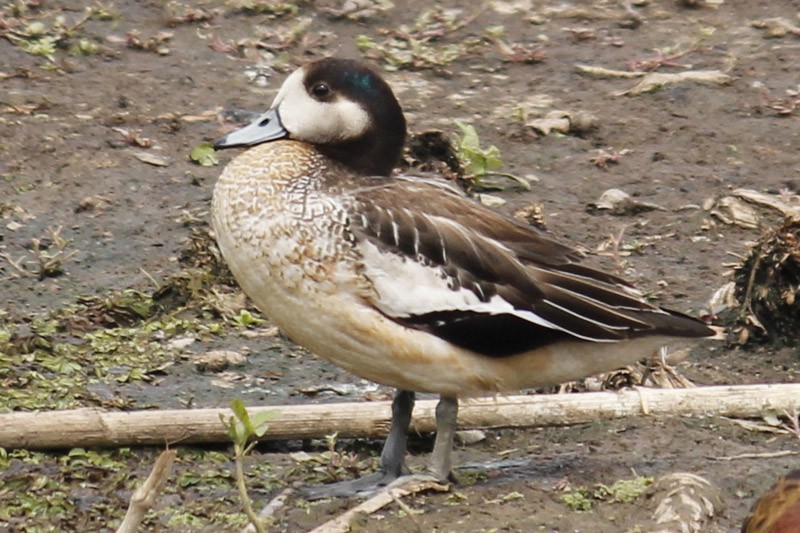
[{"x": 310, "y": 120}]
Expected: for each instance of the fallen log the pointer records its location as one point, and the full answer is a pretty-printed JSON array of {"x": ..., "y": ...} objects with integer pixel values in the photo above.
[{"x": 96, "y": 427}]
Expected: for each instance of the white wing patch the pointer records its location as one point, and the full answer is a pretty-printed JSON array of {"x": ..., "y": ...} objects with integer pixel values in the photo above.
[{"x": 406, "y": 288}]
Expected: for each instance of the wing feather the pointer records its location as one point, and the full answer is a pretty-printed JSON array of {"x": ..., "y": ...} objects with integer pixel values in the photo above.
[{"x": 443, "y": 263}]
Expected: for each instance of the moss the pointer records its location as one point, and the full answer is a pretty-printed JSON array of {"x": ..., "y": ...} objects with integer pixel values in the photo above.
[
  {"x": 418, "y": 46},
  {"x": 54, "y": 491},
  {"x": 621, "y": 491},
  {"x": 578, "y": 500},
  {"x": 468, "y": 477},
  {"x": 49, "y": 361},
  {"x": 48, "y": 32}
]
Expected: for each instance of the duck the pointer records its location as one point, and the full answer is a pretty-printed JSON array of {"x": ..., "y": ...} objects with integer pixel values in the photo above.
[
  {"x": 403, "y": 279},
  {"x": 778, "y": 509}
]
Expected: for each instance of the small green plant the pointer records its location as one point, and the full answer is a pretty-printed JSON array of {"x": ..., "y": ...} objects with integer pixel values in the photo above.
[
  {"x": 246, "y": 318},
  {"x": 44, "y": 45},
  {"x": 621, "y": 491},
  {"x": 264, "y": 7},
  {"x": 578, "y": 500},
  {"x": 510, "y": 497},
  {"x": 481, "y": 162},
  {"x": 329, "y": 466},
  {"x": 419, "y": 45},
  {"x": 456, "y": 498},
  {"x": 245, "y": 431},
  {"x": 51, "y": 31},
  {"x": 204, "y": 155}
]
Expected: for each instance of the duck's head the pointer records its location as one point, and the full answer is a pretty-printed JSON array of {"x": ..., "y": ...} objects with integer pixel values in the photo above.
[{"x": 342, "y": 107}]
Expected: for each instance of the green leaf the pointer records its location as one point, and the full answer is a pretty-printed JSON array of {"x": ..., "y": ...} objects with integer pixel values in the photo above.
[
  {"x": 36, "y": 29},
  {"x": 236, "y": 431},
  {"x": 260, "y": 421},
  {"x": 238, "y": 408},
  {"x": 246, "y": 318},
  {"x": 480, "y": 162},
  {"x": 492, "y": 156},
  {"x": 43, "y": 46},
  {"x": 205, "y": 155},
  {"x": 469, "y": 137}
]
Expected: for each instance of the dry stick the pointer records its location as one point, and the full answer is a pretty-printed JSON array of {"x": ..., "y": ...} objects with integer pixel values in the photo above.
[
  {"x": 145, "y": 496},
  {"x": 16, "y": 264},
  {"x": 748, "y": 293},
  {"x": 397, "y": 489},
  {"x": 95, "y": 427},
  {"x": 270, "y": 509},
  {"x": 408, "y": 510},
  {"x": 765, "y": 455},
  {"x": 795, "y": 419}
]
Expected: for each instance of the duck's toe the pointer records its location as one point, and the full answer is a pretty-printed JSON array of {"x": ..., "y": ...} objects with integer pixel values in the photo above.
[
  {"x": 364, "y": 486},
  {"x": 368, "y": 486}
]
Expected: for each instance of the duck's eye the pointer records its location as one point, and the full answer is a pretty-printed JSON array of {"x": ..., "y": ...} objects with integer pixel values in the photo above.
[{"x": 321, "y": 90}]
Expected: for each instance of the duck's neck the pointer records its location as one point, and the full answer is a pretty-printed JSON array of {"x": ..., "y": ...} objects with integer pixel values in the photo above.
[{"x": 371, "y": 155}]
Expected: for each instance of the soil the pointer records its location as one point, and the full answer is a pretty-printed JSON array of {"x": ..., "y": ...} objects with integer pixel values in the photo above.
[{"x": 87, "y": 219}]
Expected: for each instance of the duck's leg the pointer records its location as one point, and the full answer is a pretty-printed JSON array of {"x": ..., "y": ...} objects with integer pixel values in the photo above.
[
  {"x": 392, "y": 457},
  {"x": 446, "y": 424}
]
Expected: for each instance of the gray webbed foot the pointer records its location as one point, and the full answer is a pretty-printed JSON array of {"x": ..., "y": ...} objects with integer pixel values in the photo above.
[{"x": 392, "y": 458}]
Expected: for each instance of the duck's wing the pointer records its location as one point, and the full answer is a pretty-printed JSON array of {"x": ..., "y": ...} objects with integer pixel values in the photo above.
[{"x": 442, "y": 263}]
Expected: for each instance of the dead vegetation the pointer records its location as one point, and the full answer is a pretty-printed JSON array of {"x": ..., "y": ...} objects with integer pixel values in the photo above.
[
  {"x": 766, "y": 287},
  {"x": 45, "y": 257}
]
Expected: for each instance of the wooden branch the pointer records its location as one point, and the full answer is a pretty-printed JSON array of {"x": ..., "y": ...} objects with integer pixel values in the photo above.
[
  {"x": 145, "y": 496},
  {"x": 95, "y": 427},
  {"x": 391, "y": 493}
]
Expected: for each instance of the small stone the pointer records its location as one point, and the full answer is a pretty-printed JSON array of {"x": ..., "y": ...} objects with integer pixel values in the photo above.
[
  {"x": 218, "y": 360},
  {"x": 470, "y": 436}
]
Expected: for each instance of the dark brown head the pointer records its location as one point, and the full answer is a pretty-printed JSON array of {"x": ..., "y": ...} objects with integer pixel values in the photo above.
[{"x": 342, "y": 107}]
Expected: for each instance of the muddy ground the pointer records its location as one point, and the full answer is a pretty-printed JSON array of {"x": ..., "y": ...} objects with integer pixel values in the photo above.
[{"x": 110, "y": 292}]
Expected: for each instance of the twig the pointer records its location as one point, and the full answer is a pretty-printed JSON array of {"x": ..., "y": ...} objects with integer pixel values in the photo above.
[
  {"x": 145, "y": 496},
  {"x": 399, "y": 488},
  {"x": 793, "y": 417},
  {"x": 748, "y": 293},
  {"x": 149, "y": 276},
  {"x": 406, "y": 509},
  {"x": 765, "y": 455},
  {"x": 270, "y": 509},
  {"x": 16, "y": 264},
  {"x": 616, "y": 243},
  {"x": 643, "y": 398}
]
